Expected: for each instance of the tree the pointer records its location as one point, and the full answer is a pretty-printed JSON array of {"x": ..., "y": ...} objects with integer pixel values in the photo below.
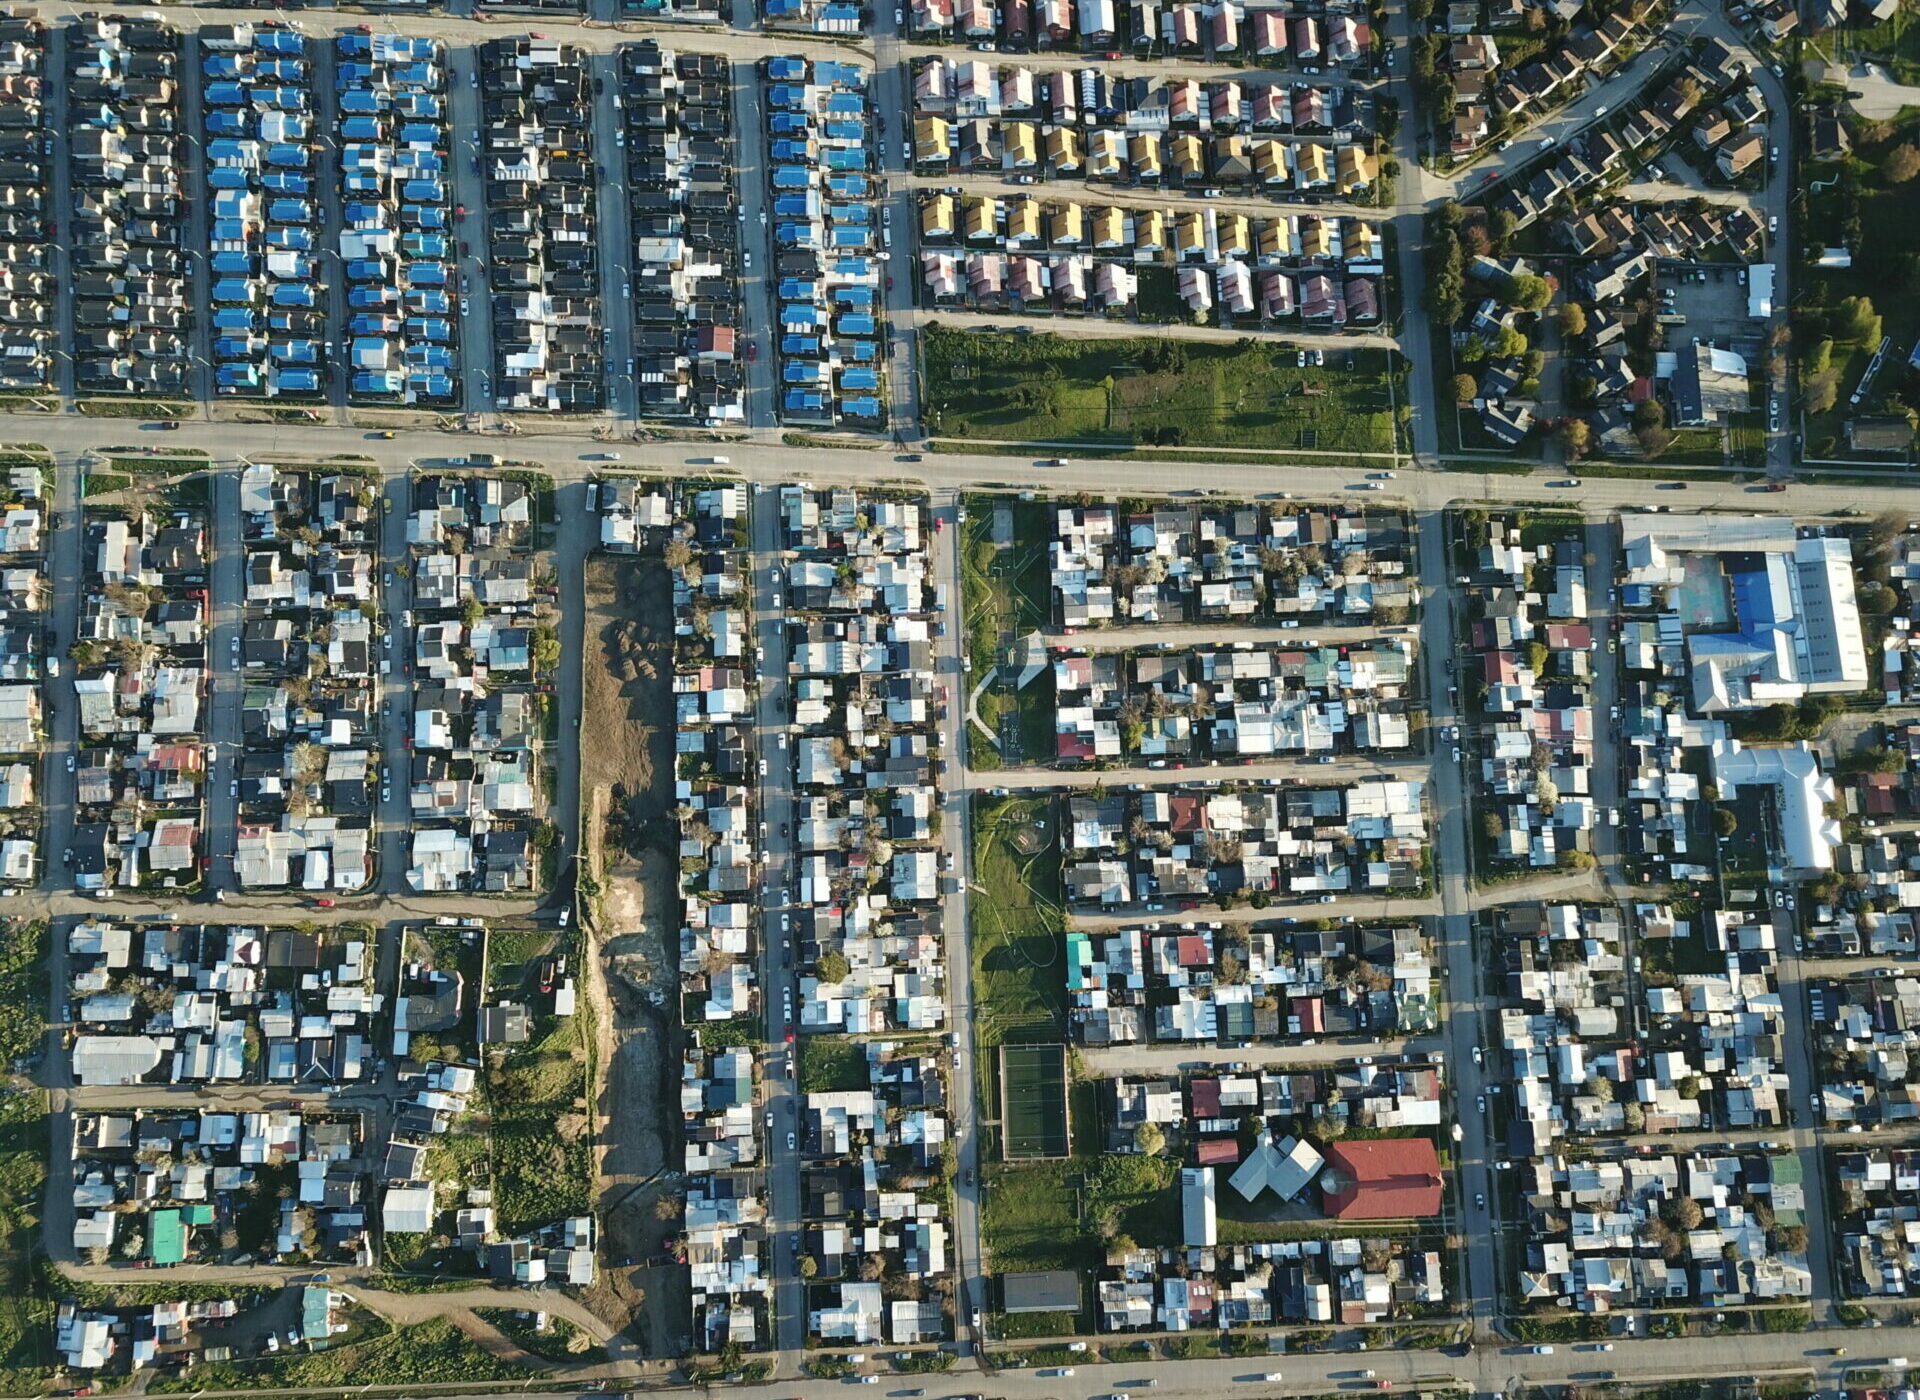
[
  {"x": 1529, "y": 292},
  {"x": 1511, "y": 343},
  {"x": 1601, "y": 1088},
  {"x": 472, "y": 611},
  {"x": 1793, "y": 1239},
  {"x": 1822, "y": 390},
  {"x": 809, "y": 1266},
  {"x": 1901, "y": 165},
  {"x": 1573, "y": 319},
  {"x": 1150, "y": 1139},
  {"x": 832, "y": 966},
  {"x": 1725, "y": 821},
  {"x": 1634, "y": 1118},
  {"x": 1576, "y": 438},
  {"x": 546, "y": 647},
  {"x": 1492, "y": 825},
  {"x": 1687, "y": 1214},
  {"x": 677, "y": 555},
  {"x": 1855, "y": 320},
  {"x": 1820, "y": 358},
  {"x": 1464, "y": 388}
]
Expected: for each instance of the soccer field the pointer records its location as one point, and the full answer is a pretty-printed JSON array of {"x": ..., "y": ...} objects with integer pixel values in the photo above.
[{"x": 1033, "y": 1095}]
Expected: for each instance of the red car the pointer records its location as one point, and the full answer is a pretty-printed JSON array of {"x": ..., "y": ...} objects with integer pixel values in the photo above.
[{"x": 753, "y": 351}]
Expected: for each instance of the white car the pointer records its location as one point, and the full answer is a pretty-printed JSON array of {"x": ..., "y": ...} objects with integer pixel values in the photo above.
[
  {"x": 233, "y": 788},
  {"x": 790, "y": 1142}
]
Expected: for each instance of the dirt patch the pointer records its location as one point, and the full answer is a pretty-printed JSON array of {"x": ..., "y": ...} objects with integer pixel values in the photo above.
[{"x": 626, "y": 787}]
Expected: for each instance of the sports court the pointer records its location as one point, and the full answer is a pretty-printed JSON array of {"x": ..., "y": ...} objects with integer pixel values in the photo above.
[{"x": 1033, "y": 1099}]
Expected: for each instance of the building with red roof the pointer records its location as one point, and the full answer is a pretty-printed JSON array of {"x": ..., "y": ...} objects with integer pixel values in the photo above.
[{"x": 1382, "y": 1179}]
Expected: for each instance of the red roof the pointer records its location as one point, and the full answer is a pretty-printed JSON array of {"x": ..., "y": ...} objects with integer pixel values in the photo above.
[
  {"x": 1205, "y": 1094},
  {"x": 1216, "y": 1152},
  {"x": 1569, "y": 636},
  {"x": 1312, "y": 1013},
  {"x": 1071, "y": 743},
  {"x": 1190, "y": 950},
  {"x": 1382, "y": 1179},
  {"x": 1184, "y": 813},
  {"x": 1500, "y": 667}
]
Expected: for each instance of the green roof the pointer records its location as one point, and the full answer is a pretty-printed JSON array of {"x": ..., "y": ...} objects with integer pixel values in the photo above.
[
  {"x": 1785, "y": 1166},
  {"x": 199, "y": 1213},
  {"x": 169, "y": 1242}
]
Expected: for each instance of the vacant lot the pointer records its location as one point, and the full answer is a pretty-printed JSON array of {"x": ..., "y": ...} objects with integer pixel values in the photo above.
[
  {"x": 1155, "y": 392},
  {"x": 1019, "y": 976},
  {"x": 1850, "y": 205},
  {"x": 425, "y": 1353},
  {"x": 1007, "y": 596},
  {"x": 626, "y": 763}
]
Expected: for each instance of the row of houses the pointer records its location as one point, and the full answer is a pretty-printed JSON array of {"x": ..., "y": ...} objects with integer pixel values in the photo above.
[
  {"x": 141, "y": 668},
  {"x": 876, "y": 1173},
  {"x": 194, "y": 1004},
  {"x": 543, "y": 257},
  {"x": 310, "y": 657},
  {"x": 25, "y": 665},
  {"x": 973, "y": 87},
  {"x": 1534, "y": 653},
  {"x": 133, "y": 312},
  {"x": 257, "y": 127},
  {"x": 863, "y": 617},
  {"x": 1618, "y": 1233},
  {"x": 172, "y": 1188},
  {"x": 1152, "y": 235},
  {"x": 1310, "y": 36},
  {"x": 831, "y": 234},
  {"x": 1690, "y": 1042},
  {"x": 1200, "y": 845},
  {"x": 28, "y": 286},
  {"x": 1292, "y": 167},
  {"x": 683, "y": 209},
  {"x": 1602, "y": 152},
  {"x": 1248, "y": 702},
  {"x": 396, "y": 237},
  {"x": 484, "y": 650},
  {"x": 1206, "y": 983},
  {"x": 1327, "y": 565}
]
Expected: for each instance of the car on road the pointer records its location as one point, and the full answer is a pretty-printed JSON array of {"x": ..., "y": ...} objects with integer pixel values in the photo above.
[
  {"x": 1480, "y": 1200},
  {"x": 233, "y": 788},
  {"x": 1272, "y": 1378},
  {"x": 1542, "y": 1350},
  {"x": 753, "y": 350},
  {"x": 790, "y": 1142},
  {"x": 1481, "y": 1103},
  {"x": 69, "y": 763},
  {"x": 1566, "y": 482}
]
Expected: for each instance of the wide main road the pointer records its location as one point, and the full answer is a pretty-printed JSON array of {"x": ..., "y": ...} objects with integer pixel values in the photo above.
[{"x": 765, "y": 458}]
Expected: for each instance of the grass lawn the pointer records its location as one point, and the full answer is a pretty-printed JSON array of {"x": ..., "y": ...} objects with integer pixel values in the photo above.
[
  {"x": 1884, "y": 269},
  {"x": 542, "y": 1134},
  {"x": 831, "y": 1064},
  {"x": 562, "y": 1341},
  {"x": 1007, "y": 595},
  {"x": 1031, "y": 1219},
  {"x": 1019, "y": 974},
  {"x": 1050, "y": 388},
  {"x": 425, "y": 1353}
]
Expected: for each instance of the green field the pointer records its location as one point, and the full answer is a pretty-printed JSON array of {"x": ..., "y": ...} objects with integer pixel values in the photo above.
[
  {"x": 832, "y": 1064},
  {"x": 1019, "y": 973},
  {"x": 1157, "y": 391},
  {"x": 426, "y": 1353},
  {"x": 1007, "y": 596},
  {"x": 1034, "y": 1091},
  {"x": 1056, "y": 1215},
  {"x": 1885, "y": 269}
]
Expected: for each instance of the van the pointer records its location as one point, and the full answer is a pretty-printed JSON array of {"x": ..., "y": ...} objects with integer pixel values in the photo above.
[
  {"x": 720, "y": 461},
  {"x": 939, "y": 599}
]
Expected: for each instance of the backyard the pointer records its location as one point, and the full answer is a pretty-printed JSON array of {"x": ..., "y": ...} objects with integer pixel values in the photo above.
[{"x": 1156, "y": 392}]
